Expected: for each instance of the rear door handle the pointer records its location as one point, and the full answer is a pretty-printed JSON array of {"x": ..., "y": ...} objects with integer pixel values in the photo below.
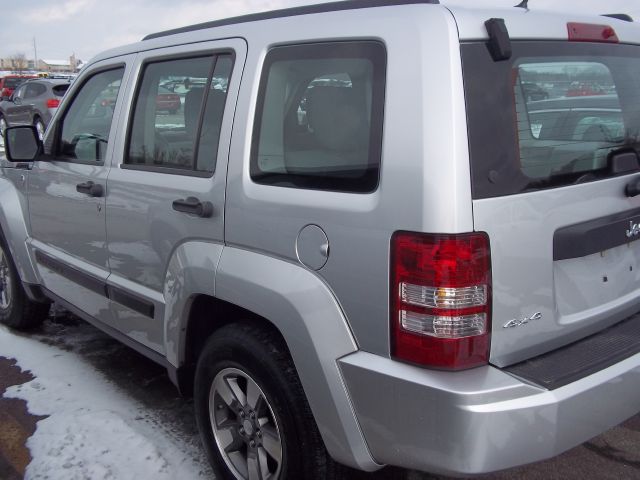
[
  {"x": 90, "y": 188},
  {"x": 193, "y": 206}
]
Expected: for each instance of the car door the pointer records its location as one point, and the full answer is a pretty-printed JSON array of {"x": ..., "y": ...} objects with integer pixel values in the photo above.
[
  {"x": 167, "y": 184},
  {"x": 33, "y": 94},
  {"x": 67, "y": 192}
]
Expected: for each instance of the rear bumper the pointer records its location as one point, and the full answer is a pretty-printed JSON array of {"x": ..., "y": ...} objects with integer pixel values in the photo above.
[{"x": 480, "y": 420}]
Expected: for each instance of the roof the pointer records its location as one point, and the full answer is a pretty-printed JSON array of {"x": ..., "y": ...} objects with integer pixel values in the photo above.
[
  {"x": 53, "y": 81},
  {"x": 291, "y": 12},
  {"x": 468, "y": 22}
]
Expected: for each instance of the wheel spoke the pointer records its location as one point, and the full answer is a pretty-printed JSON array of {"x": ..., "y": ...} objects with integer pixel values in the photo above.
[
  {"x": 253, "y": 394},
  {"x": 262, "y": 461},
  {"x": 254, "y": 467},
  {"x": 271, "y": 443},
  {"x": 239, "y": 461},
  {"x": 227, "y": 438},
  {"x": 239, "y": 395},
  {"x": 230, "y": 392}
]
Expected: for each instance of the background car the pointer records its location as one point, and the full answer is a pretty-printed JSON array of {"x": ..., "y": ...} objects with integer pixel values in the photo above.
[
  {"x": 534, "y": 92},
  {"x": 596, "y": 118},
  {"x": 166, "y": 100},
  {"x": 33, "y": 103},
  {"x": 583, "y": 89},
  {"x": 9, "y": 83}
]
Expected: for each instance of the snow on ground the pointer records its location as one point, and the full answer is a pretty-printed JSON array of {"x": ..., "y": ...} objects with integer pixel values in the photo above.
[{"x": 94, "y": 430}]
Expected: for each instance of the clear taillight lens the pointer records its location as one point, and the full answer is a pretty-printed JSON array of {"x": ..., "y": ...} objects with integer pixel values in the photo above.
[{"x": 441, "y": 299}]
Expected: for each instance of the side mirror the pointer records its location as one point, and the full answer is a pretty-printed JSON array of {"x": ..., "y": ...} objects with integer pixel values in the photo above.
[
  {"x": 22, "y": 143},
  {"x": 16, "y": 100}
]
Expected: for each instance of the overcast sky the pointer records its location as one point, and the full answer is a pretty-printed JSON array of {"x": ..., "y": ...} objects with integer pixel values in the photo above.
[{"x": 86, "y": 27}]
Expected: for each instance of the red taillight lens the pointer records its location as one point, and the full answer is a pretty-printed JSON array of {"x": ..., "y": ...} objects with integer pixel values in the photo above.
[
  {"x": 441, "y": 299},
  {"x": 589, "y": 32},
  {"x": 53, "y": 103}
]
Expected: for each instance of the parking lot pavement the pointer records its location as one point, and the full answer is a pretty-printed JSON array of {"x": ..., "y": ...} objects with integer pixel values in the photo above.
[{"x": 613, "y": 455}]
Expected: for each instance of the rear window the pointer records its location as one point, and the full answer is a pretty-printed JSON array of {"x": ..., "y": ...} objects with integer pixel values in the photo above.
[
  {"x": 60, "y": 90},
  {"x": 13, "y": 82},
  {"x": 553, "y": 115}
]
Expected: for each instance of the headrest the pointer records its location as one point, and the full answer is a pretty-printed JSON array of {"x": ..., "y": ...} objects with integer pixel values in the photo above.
[
  {"x": 192, "y": 103},
  {"x": 337, "y": 116}
]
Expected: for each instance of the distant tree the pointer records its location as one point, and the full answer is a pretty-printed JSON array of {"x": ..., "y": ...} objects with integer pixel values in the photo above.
[{"x": 19, "y": 62}]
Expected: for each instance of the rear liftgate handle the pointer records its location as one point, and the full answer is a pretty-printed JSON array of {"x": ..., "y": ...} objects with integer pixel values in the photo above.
[{"x": 193, "y": 206}]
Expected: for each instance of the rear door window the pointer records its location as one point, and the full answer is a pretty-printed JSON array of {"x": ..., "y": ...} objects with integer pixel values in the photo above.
[{"x": 178, "y": 114}]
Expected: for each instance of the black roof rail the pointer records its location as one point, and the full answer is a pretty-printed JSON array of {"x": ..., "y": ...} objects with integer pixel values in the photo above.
[
  {"x": 290, "y": 12},
  {"x": 619, "y": 16}
]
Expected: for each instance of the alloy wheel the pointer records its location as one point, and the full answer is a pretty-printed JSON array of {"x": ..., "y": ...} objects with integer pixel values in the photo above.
[
  {"x": 40, "y": 128},
  {"x": 244, "y": 426},
  {"x": 3, "y": 127}
]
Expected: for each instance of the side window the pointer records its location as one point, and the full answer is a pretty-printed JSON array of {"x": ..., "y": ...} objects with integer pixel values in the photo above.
[
  {"x": 34, "y": 90},
  {"x": 319, "y": 117},
  {"x": 19, "y": 92},
  {"x": 87, "y": 122},
  {"x": 178, "y": 114}
]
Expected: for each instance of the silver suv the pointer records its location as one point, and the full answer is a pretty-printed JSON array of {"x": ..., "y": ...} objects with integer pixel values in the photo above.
[{"x": 360, "y": 240}]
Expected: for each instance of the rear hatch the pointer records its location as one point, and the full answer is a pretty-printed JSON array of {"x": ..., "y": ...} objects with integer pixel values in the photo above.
[{"x": 554, "y": 133}]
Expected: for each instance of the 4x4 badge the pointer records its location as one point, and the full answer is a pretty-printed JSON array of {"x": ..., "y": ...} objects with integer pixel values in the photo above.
[
  {"x": 634, "y": 229},
  {"x": 516, "y": 322}
]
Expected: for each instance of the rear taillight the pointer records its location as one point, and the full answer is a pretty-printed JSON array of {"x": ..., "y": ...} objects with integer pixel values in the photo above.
[
  {"x": 53, "y": 103},
  {"x": 441, "y": 299},
  {"x": 589, "y": 32}
]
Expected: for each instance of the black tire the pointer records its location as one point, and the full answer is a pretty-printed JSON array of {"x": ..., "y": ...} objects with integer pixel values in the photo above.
[
  {"x": 16, "y": 309},
  {"x": 261, "y": 355}
]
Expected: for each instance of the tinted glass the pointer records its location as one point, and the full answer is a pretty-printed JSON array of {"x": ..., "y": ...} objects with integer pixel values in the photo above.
[
  {"x": 13, "y": 82},
  {"x": 34, "y": 90},
  {"x": 319, "y": 118},
  {"x": 87, "y": 122},
  {"x": 555, "y": 114},
  {"x": 60, "y": 90},
  {"x": 171, "y": 127},
  {"x": 19, "y": 92}
]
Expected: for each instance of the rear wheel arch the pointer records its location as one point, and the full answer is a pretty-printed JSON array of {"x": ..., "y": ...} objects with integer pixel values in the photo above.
[
  {"x": 252, "y": 287},
  {"x": 205, "y": 315}
]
